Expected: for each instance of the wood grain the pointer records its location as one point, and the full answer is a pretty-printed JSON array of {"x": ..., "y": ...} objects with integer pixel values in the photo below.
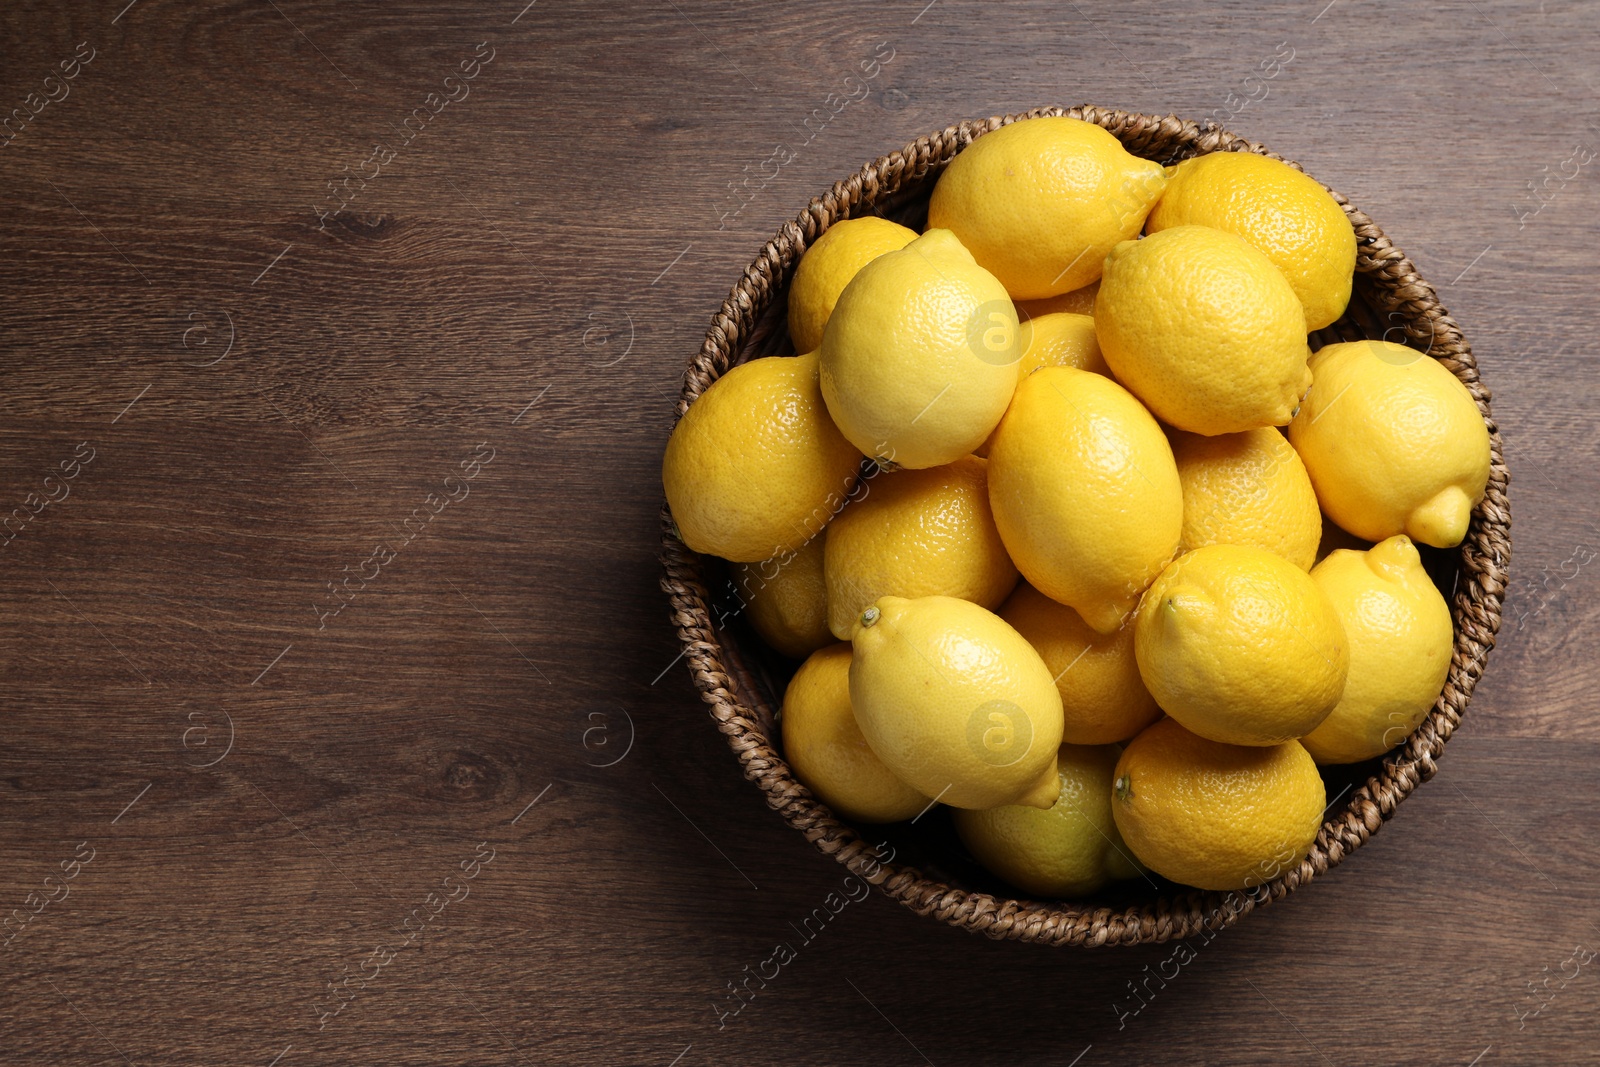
[{"x": 269, "y": 792}]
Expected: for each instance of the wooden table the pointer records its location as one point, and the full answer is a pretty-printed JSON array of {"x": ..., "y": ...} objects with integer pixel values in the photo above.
[{"x": 343, "y": 723}]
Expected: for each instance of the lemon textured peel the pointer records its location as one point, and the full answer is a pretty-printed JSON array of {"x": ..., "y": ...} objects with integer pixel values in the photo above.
[
  {"x": 1394, "y": 443},
  {"x": 920, "y": 357},
  {"x": 1072, "y": 848},
  {"x": 756, "y": 468},
  {"x": 826, "y": 751},
  {"x": 1085, "y": 492},
  {"x": 1077, "y": 302},
  {"x": 1241, "y": 646},
  {"x": 956, "y": 703},
  {"x": 1040, "y": 202},
  {"x": 787, "y": 598},
  {"x": 1216, "y": 816},
  {"x": 1103, "y": 698},
  {"x": 917, "y": 533},
  {"x": 1247, "y": 488},
  {"x": 1281, "y": 211},
  {"x": 829, "y": 265},
  {"x": 1056, "y": 339},
  {"x": 1204, "y": 329},
  {"x": 1401, "y": 637},
  {"x": 1061, "y": 339}
]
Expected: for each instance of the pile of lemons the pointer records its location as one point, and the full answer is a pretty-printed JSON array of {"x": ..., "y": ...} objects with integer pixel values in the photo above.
[{"x": 1077, "y": 597}]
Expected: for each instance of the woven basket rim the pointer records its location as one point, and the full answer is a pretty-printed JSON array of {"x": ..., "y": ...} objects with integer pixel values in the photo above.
[{"x": 1388, "y": 281}]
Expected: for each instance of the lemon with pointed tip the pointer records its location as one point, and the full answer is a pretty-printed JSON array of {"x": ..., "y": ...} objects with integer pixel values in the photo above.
[
  {"x": 1071, "y": 849},
  {"x": 1204, "y": 329},
  {"x": 1216, "y": 816},
  {"x": 787, "y": 599},
  {"x": 827, "y": 267},
  {"x": 920, "y": 357},
  {"x": 1247, "y": 488},
  {"x": 913, "y": 534},
  {"x": 755, "y": 467},
  {"x": 1284, "y": 212},
  {"x": 1394, "y": 443},
  {"x": 1400, "y": 635},
  {"x": 1085, "y": 492},
  {"x": 1103, "y": 699},
  {"x": 825, "y": 748},
  {"x": 956, "y": 703},
  {"x": 1041, "y": 202},
  {"x": 1241, "y": 646}
]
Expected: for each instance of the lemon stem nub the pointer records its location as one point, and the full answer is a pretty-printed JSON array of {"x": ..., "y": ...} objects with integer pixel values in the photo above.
[
  {"x": 870, "y": 616},
  {"x": 1123, "y": 787},
  {"x": 1185, "y": 601}
]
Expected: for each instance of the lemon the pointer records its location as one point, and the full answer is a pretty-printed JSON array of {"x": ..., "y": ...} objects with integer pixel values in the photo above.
[
  {"x": 920, "y": 357},
  {"x": 1247, "y": 488},
  {"x": 956, "y": 704},
  {"x": 917, "y": 533},
  {"x": 1240, "y": 645},
  {"x": 1077, "y": 302},
  {"x": 825, "y": 748},
  {"x": 1069, "y": 850},
  {"x": 1061, "y": 339},
  {"x": 1041, "y": 202},
  {"x": 1103, "y": 699},
  {"x": 787, "y": 599},
  {"x": 827, "y": 267},
  {"x": 1057, "y": 339},
  {"x": 755, "y": 468},
  {"x": 1085, "y": 492},
  {"x": 1286, "y": 214},
  {"x": 1216, "y": 816},
  {"x": 1399, "y": 630},
  {"x": 1393, "y": 442},
  {"x": 1204, "y": 329}
]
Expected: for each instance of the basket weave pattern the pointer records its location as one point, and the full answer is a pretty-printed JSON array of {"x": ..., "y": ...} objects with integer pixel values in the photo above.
[{"x": 1390, "y": 299}]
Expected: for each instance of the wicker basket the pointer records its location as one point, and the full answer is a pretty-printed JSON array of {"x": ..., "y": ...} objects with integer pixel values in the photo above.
[{"x": 742, "y": 682}]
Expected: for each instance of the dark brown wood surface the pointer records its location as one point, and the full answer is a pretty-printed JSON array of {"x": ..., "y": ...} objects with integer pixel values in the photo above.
[{"x": 251, "y": 795}]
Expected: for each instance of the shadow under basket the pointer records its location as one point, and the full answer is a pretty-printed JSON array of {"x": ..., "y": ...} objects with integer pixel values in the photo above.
[{"x": 928, "y": 870}]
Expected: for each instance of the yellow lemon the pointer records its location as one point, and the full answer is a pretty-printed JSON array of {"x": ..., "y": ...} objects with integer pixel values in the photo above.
[
  {"x": 1216, "y": 816},
  {"x": 1085, "y": 492},
  {"x": 920, "y": 357},
  {"x": 956, "y": 704},
  {"x": 1077, "y": 302},
  {"x": 914, "y": 534},
  {"x": 1400, "y": 635},
  {"x": 755, "y": 468},
  {"x": 1241, "y": 646},
  {"x": 827, "y": 267},
  {"x": 787, "y": 599},
  {"x": 1394, "y": 443},
  {"x": 1103, "y": 699},
  {"x": 1204, "y": 329},
  {"x": 1058, "y": 339},
  {"x": 1286, "y": 214},
  {"x": 1061, "y": 339},
  {"x": 1041, "y": 202},
  {"x": 1069, "y": 850},
  {"x": 825, "y": 748},
  {"x": 1247, "y": 488}
]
